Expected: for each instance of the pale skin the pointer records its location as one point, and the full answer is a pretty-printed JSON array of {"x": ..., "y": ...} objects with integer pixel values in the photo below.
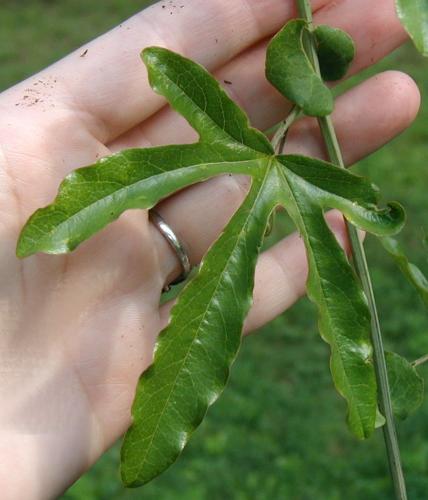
[{"x": 77, "y": 330}]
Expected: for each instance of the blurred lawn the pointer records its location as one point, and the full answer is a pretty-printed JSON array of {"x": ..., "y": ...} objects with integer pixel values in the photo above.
[{"x": 278, "y": 431}]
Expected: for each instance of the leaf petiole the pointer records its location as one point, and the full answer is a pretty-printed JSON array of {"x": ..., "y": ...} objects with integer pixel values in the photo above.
[{"x": 278, "y": 140}]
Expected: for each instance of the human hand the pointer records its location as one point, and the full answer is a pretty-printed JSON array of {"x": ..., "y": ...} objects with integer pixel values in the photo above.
[{"x": 78, "y": 330}]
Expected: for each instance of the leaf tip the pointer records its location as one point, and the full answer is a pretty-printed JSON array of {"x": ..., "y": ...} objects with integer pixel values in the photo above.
[
  {"x": 23, "y": 246},
  {"x": 150, "y": 55},
  {"x": 129, "y": 480},
  {"x": 21, "y": 252}
]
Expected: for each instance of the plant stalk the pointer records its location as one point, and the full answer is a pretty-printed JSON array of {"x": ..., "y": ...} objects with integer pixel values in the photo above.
[
  {"x": 278, "y": 140},
  {"x": 420, "y": 361},
  {"x": 361, "y": 267}
]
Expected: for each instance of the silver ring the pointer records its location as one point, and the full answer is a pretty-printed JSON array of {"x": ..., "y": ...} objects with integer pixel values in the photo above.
[{"x": 175, "y": 244}]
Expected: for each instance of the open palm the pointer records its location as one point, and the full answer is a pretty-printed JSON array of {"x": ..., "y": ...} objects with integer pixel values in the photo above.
[{"x": 77, "y": 330}]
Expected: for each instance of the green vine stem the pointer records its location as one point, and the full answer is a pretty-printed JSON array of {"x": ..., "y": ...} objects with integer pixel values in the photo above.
[{"x": 360, "y": 262}]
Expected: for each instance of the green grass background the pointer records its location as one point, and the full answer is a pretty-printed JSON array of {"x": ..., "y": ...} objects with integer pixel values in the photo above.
[{"x": 278, "y": 431}]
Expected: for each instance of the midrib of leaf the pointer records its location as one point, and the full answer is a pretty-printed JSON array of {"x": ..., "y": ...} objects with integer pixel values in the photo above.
[
  {"x": 220, "y": 275},
  {"x": 333, "y": 342}
]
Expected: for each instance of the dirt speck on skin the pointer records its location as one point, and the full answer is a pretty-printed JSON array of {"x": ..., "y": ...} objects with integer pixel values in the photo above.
[
  {"x": 172, "y": 7},
  {"x": 38, "y": 93},
  {"x": 83, "y": 54},
  {"x": 227, "y": 82}
]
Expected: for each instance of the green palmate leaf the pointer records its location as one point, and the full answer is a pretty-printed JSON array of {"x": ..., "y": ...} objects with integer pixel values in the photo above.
[
  {"x": 413, "y": 274},
  {"x": 336, "y": 51},
  {"x": 407, "y": 387},
  {"x": 290, "y": 71},
  {"x": 194, "y": 353},
  {"x": 414, "y": 16}
]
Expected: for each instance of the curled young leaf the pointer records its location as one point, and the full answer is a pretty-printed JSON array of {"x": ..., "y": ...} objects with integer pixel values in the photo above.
[
  {"x": 414, "y": 16},
  {"x": 413, "y": 274},
  {"x": 290, "y": 71},
  {"x": 406, "y": 385},
  {"x": 336, "y": 51}
]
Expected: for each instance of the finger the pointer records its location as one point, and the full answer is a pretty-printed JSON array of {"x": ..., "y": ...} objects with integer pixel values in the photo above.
[
  {"x": 244, "y": 77},
  {"x": 373, "y": 114},
  {"x": 366, "y": 117},
  {"x": 107, "y": 80},
  {"x": 118, "y": 96}
]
